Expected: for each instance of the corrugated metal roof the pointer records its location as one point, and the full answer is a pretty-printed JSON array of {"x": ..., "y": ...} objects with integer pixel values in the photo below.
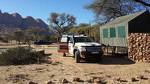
[{"x": 126, "y": 18}]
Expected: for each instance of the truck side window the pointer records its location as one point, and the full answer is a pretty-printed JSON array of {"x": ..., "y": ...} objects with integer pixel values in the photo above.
[
  {"x": 68, "y": 39},
  {"x": 71, "y": 40}
]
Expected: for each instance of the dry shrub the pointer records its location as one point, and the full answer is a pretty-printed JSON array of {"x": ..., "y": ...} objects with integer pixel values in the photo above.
[{"x": 21, "y": 56}]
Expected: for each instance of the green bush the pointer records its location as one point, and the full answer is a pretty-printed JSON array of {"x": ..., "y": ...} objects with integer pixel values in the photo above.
[{"x": 21, "y": 56}]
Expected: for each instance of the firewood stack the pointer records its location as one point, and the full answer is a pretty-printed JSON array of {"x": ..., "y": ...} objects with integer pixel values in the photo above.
[{"x": 139, "y": 47}]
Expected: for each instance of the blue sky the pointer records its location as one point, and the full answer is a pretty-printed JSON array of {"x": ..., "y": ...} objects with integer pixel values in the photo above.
[{"x": 42, "y": 8}]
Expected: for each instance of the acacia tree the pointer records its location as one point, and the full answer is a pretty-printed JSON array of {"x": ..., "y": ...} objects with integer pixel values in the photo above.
[
  {"x": 35, "y": 33},
  {"x": 105, "y": 10},
  {"x": 61, "y": 22},
  {"x": 19, "y": 36},
  {"x": 87, "y": 29}
]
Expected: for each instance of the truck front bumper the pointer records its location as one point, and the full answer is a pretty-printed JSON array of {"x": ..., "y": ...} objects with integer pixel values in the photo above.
[{"x": 85, "y": 54}]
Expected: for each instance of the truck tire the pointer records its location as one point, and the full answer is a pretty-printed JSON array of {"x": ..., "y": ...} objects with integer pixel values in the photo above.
[
  {"x": 64, "y": 54},
  {"x": 99, "y": 57},
  {"x": 77, "y": 57}
]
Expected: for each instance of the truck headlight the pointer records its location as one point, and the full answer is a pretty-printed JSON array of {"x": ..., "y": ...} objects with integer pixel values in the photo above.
[{"x": 83, "y": 49}]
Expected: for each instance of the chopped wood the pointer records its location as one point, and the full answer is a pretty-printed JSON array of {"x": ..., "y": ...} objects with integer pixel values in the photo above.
[{"x": 139, "y": 47}]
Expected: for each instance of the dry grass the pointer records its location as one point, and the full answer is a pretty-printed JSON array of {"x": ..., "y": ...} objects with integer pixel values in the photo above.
[{"x": 110, "y": 71}]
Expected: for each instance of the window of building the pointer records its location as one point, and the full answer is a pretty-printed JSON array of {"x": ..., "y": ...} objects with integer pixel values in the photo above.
[
  {"x": 121, "y": 32},
  {"x": 105, "y": 33},
  {"x": 112, "y": 32}
]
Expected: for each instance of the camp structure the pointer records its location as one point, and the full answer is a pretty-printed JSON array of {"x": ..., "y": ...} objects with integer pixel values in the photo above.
[{"x": 128, "y": 34}]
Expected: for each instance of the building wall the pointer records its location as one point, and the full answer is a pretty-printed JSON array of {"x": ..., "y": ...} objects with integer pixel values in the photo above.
[{"x": 139, "y": 47}]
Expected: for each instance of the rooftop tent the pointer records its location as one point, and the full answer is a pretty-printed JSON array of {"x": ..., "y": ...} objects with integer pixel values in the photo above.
[{"x": 140, "y": 24}]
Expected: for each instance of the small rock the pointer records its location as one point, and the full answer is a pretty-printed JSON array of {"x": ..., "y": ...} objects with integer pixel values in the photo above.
[
  {"x": 134, "y": 79},
  {"x": 92, "y": 73},
  {"x": 47, "y": 70},
  {"x": 19, "y": 67},
  {"x": 47, "y": 65},
  {"x": 49, "y": 82},
  {"x": 118, "y": 79},
  {"x": 52, "y": 76},
  {"x": 147, "y": 71},
  {"x": 108, "y": 76},
  {"x": 123, "y": 80},
  {"x": 7, "y": 70},
  {"x": 68, "y": 74},
  {"x": 31, "y": 82},
  {"x": 142, "y": 77},
  {"x": 96, "y": 80},
  {"x": 100, "y": 73},
  {"x": 64, "y": 81},
  {"x": 76, "y": 79},
  {"x": 99, "y": 80},
  {"x": 89, "y": 81},
  {"x": 39, "y": 69},
  {"x": 55, "y": 63}
]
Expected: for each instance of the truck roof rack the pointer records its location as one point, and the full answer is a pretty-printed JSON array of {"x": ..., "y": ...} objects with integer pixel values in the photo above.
[{"x": 65, "y": 35}]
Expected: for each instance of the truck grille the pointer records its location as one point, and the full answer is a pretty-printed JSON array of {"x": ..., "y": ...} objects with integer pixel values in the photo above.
[{"x": 93, "y": 49}]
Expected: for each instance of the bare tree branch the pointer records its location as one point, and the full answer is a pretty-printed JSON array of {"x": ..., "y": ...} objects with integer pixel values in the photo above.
[
  {"x": 143, "y": 2},
  {"x": 59, "y": 22}
]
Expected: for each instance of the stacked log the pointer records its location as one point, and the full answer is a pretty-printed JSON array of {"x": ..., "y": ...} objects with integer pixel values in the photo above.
[{"x": 139, "y": 47}]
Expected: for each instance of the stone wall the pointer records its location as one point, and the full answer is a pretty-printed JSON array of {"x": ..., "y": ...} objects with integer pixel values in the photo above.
[{"x": 139, "y": 47}]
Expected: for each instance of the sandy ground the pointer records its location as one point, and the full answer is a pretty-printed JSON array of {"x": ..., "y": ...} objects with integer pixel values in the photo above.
[{"x": 111, "y": 70}]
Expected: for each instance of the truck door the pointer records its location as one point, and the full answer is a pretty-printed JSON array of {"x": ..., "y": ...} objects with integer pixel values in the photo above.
[{"x": 71, "y": 46}]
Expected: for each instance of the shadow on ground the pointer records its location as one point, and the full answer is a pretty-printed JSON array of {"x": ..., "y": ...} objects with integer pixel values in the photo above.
[
  {"x": 111, "y": 60},
  {"x": 116, "y": 60}
]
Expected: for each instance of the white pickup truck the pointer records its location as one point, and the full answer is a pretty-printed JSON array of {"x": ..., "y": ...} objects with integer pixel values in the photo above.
[{"x": 80, "y": 47}]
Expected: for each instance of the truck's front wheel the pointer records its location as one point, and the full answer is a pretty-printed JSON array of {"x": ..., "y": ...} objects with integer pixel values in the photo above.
[{"x": 77, "y": 56}]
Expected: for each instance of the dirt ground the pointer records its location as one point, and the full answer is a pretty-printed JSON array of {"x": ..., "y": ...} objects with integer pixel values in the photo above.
[{"x": 111, "y": 70}]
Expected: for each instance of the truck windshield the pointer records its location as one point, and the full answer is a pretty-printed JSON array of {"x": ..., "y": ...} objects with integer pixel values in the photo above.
[{"x": 82, "y": 39}]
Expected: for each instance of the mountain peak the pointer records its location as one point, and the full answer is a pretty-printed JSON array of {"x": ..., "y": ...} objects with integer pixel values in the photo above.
[
  {"x": 15, "y": 20},
  {"x": 16, "y": 15}
]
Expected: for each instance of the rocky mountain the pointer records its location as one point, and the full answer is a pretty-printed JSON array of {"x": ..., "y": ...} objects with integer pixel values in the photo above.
[{"x": 15, "y": 20}]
